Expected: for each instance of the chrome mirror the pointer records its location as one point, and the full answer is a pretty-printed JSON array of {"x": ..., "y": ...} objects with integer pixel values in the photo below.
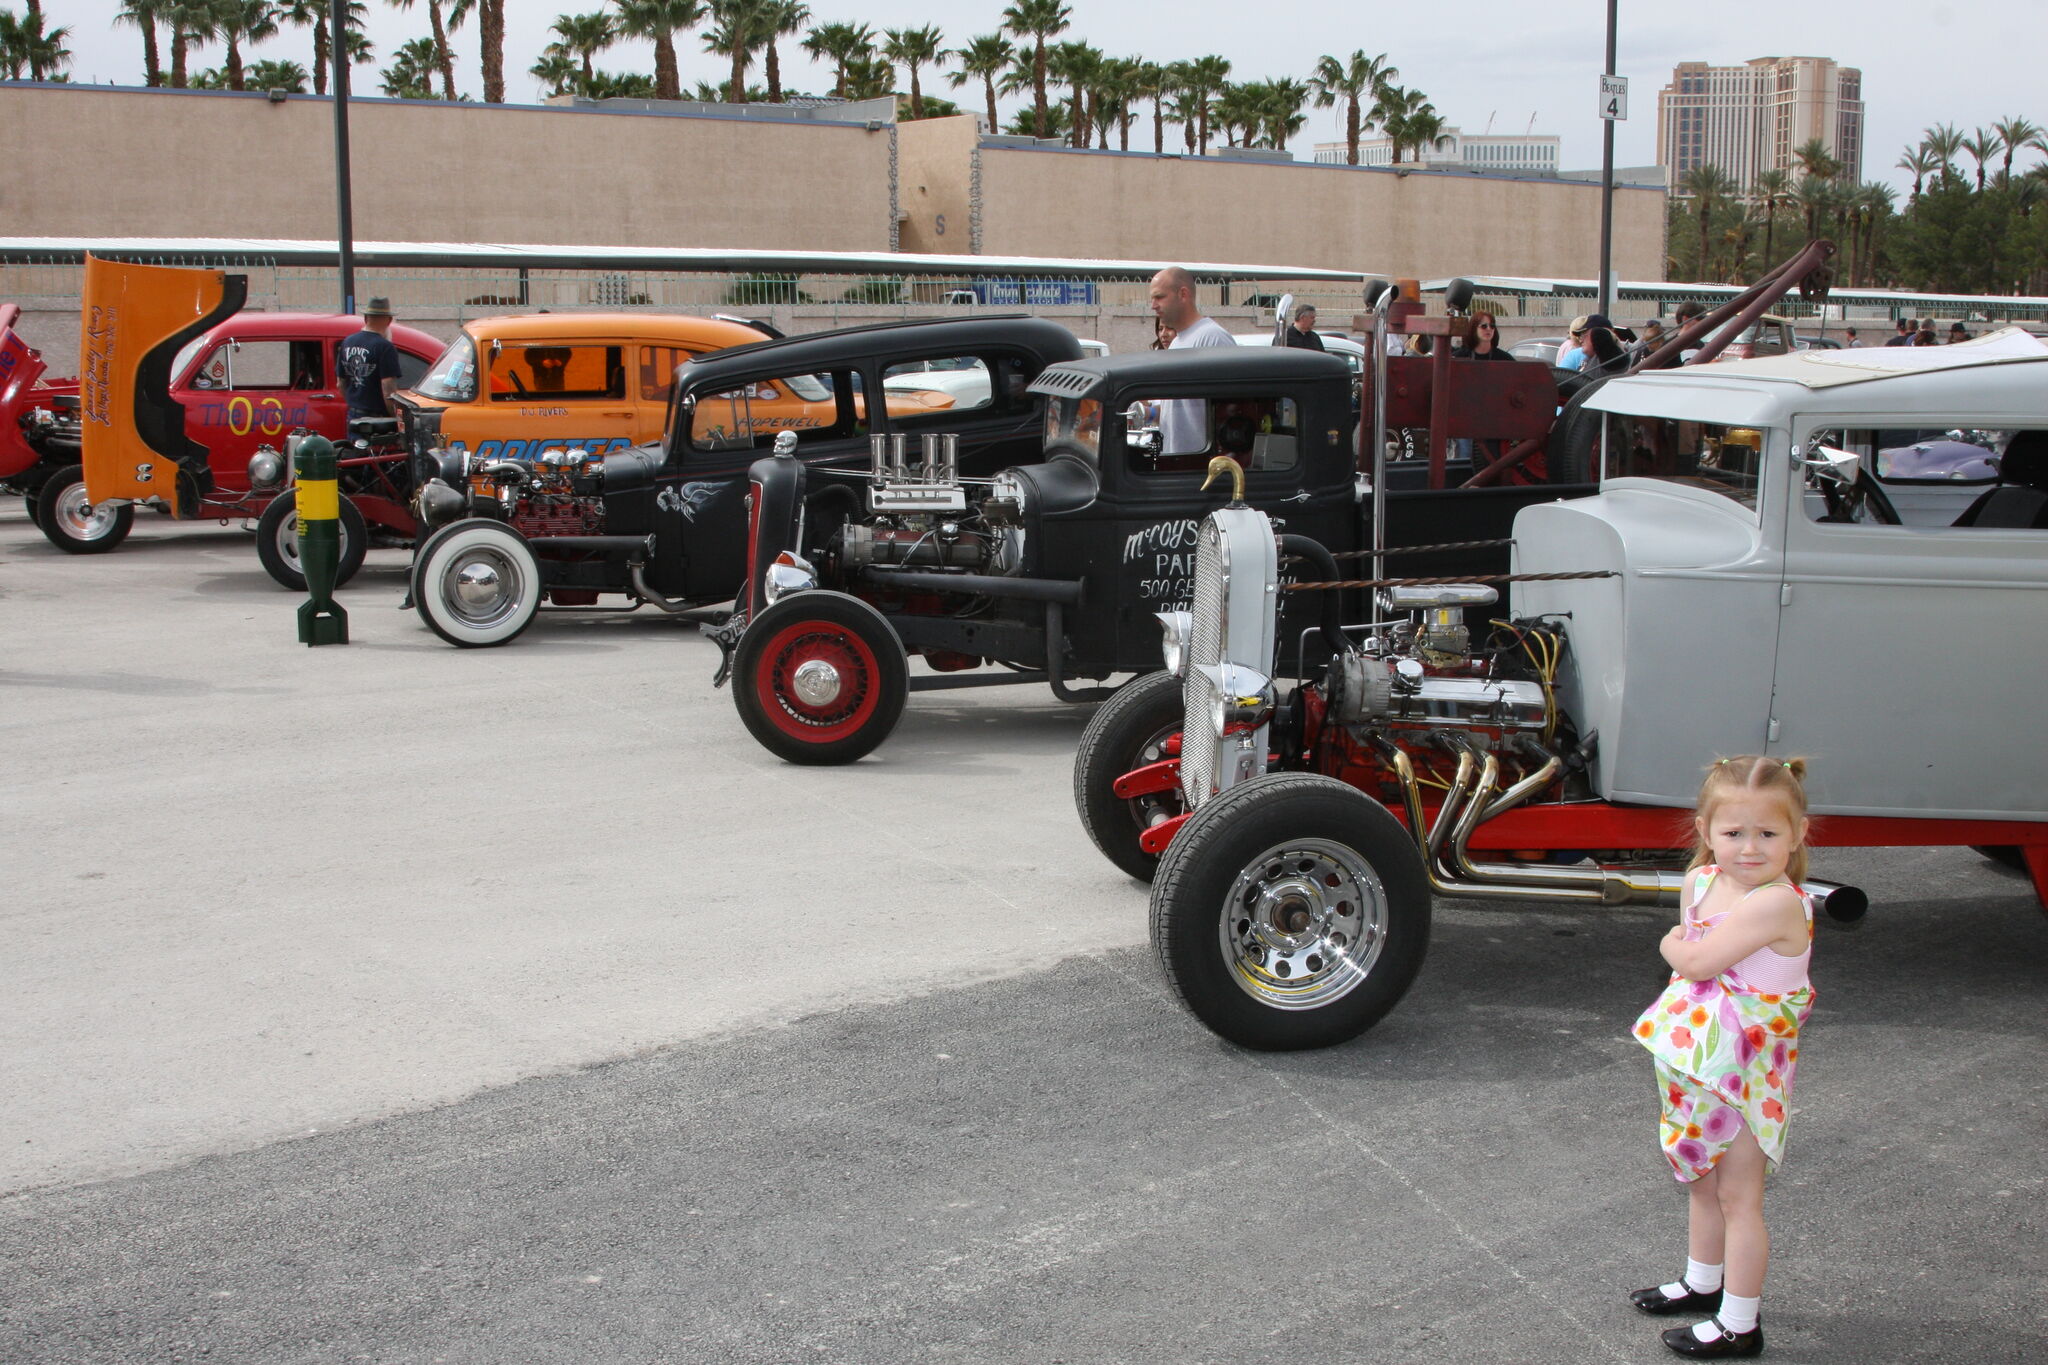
[{"x": 1832, "y": 463}]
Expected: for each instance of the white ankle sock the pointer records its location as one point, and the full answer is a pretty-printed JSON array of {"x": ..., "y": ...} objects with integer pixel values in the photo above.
[
  {"x": 1702, "y": 1278},
  {"x": 1737, "y": 1314}
]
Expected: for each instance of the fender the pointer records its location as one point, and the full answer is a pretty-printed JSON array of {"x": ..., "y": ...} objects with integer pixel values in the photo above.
[
  {"x": 137, "y": 317},
  {"x": 775, "y": 501}
]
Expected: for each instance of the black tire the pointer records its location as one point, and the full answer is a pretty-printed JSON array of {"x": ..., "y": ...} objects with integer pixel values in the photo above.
[
  {"x": 277, "y": 541},
  {"x": 1570, "y": 455},
  {"x": 2005, "y": 855},
  {"x": 476, "y": 583},
  {"x": 1127, "y": 732},
  {"x": 70, "y": 522},
  {"x": 1280, "y": 846},
  {"x": 855, "y": 695}
]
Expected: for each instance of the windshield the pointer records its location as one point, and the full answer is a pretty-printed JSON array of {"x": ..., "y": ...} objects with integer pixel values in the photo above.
[
  {"x": 1722, "y": 459},
  {"x": 185, "y": 354},
  {"x": 1075, "y": 422},
  {"x": 453, "y": 377}
]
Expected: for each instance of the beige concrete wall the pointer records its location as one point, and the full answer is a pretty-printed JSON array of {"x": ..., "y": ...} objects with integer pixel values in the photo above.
[
  {"x": 169, "y": 163},
  {"x": 1423, "y": 225},
  {"x": 935, "y": 167}
]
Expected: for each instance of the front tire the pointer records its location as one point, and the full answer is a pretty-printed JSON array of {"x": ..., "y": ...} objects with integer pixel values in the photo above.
[
  {"x": 277, "y": 541},
  {"x": 476, "y": 583},
  {"x": 1291, "y": 912},
  {"x": 70, "y": 520},
  {"x": 820, "y": 678},
  {"x": 1129, "y": 731}
]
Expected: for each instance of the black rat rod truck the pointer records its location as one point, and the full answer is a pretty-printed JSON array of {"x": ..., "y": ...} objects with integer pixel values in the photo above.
[{"x": 1057, "y": 570}]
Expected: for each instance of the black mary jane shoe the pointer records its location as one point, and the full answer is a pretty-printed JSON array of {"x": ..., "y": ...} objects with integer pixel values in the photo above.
[
  {"x": 1654, "y": 1300},
  {"x": 1728, "y": 1345}
]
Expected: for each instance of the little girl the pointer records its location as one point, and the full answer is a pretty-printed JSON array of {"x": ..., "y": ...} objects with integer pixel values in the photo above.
[{"x": 1725, "y": 1034}]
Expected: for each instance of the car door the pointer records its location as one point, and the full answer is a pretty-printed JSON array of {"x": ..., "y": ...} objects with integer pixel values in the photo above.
[
  {"x": 558, "y": 394},
  {"x": 243, "y": 392},
  {"x": 1910, "y": 658}
]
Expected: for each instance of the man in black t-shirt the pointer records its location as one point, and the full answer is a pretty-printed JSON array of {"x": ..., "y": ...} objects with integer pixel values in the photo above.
[
  {"x": 1303, "y": 333},
  {"x": 368, "y": 363}
]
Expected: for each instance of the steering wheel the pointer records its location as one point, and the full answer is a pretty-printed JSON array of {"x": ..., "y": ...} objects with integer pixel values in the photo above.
[{"x": 1863, "y": 502}]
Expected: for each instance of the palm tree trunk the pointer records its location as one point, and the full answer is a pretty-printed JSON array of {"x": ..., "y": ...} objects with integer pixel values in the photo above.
[
  {"x": 234, "y": 62},
  {"x": 1351, "y": 131},
  {"x": 1038, "y": 85},
  {"x": 736, "y": 91},
  {"x": 177, "y": 55},
  {"x": 1158, "y": 125},
  {"x": 442, "y": 55},
  {"x": 775, "y": 76},
  {"x": 988, "y": 83},
  {"x": 667, "y": 85},
  {"x": 490, "y": 22},
  {"x": 916, "y": 94},
  {"x": 152, "y": 65},
  {"x": 320, "y": 58}
]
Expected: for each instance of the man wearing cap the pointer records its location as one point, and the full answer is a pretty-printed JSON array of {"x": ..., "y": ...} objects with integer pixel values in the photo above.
[
  {"x": 1957, "y": 332},
  {"x": 368, "y": 363}
]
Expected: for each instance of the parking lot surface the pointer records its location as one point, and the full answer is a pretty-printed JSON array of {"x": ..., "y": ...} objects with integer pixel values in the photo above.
[{"x": 399, "y": 1003}]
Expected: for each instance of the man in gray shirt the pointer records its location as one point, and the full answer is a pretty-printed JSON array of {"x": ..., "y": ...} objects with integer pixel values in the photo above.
[{"x": 1184, "y": 422}]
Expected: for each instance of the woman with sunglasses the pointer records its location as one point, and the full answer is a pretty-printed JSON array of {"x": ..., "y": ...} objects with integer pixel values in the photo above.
[{"x": 1484, "y": 343}]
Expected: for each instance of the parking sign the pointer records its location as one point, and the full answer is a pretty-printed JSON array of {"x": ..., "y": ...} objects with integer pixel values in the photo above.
[{"x": 1614, "y": 97}]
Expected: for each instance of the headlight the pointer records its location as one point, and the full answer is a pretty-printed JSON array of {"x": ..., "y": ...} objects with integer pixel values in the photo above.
[
  {"x": 789, "y": 573},
  {"x": 1239, "y": 698},
  {"x": 1177, "y": 627},
  {"x": 266, "y": 468}
]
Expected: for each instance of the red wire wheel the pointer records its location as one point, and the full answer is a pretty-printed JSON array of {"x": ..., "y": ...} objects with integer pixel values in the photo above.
[{"x": 820, "y": 678}]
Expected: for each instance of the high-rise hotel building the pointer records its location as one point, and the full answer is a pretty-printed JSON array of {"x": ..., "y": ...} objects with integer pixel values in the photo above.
[{"x": 1750, "y": 118}]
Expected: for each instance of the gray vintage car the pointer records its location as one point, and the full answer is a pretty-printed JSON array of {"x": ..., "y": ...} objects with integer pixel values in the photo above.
[{"x": 1738, "y": 584}]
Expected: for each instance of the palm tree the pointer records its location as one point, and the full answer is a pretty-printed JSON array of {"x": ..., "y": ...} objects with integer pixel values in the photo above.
[
  {"x": 914, "y": 47},
  {"x": 839, "y": 44},
  {"x": 1920, "y": 163},
  {"x": 411, "y": 73},
  {"x": 1184, "y": 103},
  {"x": 742, "y": 26},
  {"x": 1037, "y": 20},
  {"x": 1709, "y": 188},
  {"x": 314, "y": 14},
  {"x": 1152, "y": 85},
  {"x": 26, "y": 44},
  {"x": 1815, "y": 197},
  {"x": 1421, "y": 127},
  {"x": 983, "y": 59},
  {"x": 1772, "y": 188},
  {"x": 1205, "y": 76},
  {"x": 1118, "y": 87},
  {"x": 783, "y": 16},
  {"x": 661, "y": 20},
  {"x": 1392, "y": 109},
  {"x": 1280, "y": 106},
  {"x": 1351, "y": 80},
  {"x": 1075, "y": 65},
  {"x": 2016, "y": 132},
  {"x": 1943, "y": 141},
  {"x": 1982, "y": 147},
  {"x": 1874, "y": 201},
  {"x": 142, "y": 14},
  {"x": 444, "y": 61},
  {"x": 192, "y": 25},
  {"x": 240, "y": 21},
  {"x": 289, "y": 77},
  {"x": 556, "y": 70},
  {"x": 490, "y": 25},
  {"x": 1816, "y": 162},
  {"x": 584, "y": 36},
  {"x": 869, "y": 76}
]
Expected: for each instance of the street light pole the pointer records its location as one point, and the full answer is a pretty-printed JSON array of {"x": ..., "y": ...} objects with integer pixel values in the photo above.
[
  {"x": 345, "y": 235},
  {"x": 1605, "y": 292}
]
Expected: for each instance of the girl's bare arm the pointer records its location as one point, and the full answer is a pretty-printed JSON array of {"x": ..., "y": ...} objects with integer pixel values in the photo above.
[{"x": 1772, "y": 915}]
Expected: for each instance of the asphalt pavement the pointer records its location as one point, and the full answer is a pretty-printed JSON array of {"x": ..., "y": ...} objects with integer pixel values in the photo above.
[{"x": 397, "y": 1003}]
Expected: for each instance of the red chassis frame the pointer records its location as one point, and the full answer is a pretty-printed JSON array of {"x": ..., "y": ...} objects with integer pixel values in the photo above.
[{"x": 1599, "y": 824}]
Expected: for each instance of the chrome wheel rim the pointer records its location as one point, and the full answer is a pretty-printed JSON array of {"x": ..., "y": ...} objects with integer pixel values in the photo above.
[
  {"x": 1303, "y": 924},
  {"x": 482, "y": 587},
  {"x": 80, "y": 517}
]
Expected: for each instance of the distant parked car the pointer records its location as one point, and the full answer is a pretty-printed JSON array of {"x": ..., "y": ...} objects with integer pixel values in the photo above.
[{"x": 1538, "y": 348}]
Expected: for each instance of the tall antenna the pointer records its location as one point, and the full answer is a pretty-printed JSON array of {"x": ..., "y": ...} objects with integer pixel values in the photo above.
[
  {"x": 1489, "y": 121},
  {"x": 1532, "y": 122}
]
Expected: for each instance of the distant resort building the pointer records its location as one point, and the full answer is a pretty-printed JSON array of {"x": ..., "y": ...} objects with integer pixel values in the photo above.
[
  {"x": 1505, "y": 153},
  {"x": 1751, "y": 118}
]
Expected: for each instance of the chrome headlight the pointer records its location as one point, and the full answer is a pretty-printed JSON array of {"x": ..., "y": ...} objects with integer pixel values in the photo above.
[
  {"x": 1178, "y": 628},
  {"x": 1240, "y": 698},
  {"x": 789, "y": 573},
  {"x": 266, "y": 468}
]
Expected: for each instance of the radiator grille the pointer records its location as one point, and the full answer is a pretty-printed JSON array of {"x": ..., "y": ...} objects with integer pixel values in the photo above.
[{"x": 1211, "y": 628}]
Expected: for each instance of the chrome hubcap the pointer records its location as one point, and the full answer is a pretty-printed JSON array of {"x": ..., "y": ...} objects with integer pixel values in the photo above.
[
  {"x": 481, "y": 587},
  {"x": 817, "y": 682},
  {"x": 1303, "y": 924},
  {"x": 80, "y": 517}
]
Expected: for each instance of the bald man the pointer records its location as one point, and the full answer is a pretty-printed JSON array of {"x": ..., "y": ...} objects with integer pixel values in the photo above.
[{"x": 1184, "y": 423}]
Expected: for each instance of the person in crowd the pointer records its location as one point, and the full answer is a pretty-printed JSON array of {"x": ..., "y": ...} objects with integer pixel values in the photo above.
[
  {"x": 1162, "y": 335},
  {"x": 1650, "y": 336},
  {"x": 1418, "y": 344},
  {"x": 1302, "y": 334},
  {"x": 1601, "y": 350},
  {"x": 368, "y": 362},
  {"x": 1573, "y": 344},
  {"x": 1484, "y": 343},
  {"x": 1925, "y": 336},
  {"x": 1183, "y": 422},
  {"x": 1849, "y": 341},
  {"x": 1725, "y": 1038},
  {"x": 1957, "y": 332},
  {"x": 1904, "y": 334}
]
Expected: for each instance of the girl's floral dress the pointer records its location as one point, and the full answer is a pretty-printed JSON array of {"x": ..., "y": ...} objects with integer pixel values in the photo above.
[{"x": 1725, "y": 1053}]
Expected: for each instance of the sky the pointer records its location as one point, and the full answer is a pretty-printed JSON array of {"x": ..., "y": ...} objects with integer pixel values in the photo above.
[{"x": 1518, "y": 65}]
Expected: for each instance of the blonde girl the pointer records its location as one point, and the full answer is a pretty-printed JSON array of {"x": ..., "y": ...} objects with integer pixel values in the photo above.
[{"x": 1725, "y": 1035}]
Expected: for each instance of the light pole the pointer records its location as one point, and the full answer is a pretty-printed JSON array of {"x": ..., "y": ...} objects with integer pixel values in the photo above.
[
  {"x": 1605, "y": 293},
  {"x": 345, "y": 235}
]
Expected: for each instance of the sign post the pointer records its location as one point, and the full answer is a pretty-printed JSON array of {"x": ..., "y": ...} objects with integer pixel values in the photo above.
[{"x": 1613, "y": 107}]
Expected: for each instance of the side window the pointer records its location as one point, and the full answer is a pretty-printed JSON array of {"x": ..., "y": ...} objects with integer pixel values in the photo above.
[
  {"x": 520, "y": 374},
  {"x": 1181, "y": 435},
  {"x": 658, "y": 371},
  {"x": 213, "y": 367},
  {"x": 411, "y": 369},
  {"x": 309, "y": 364},
  {"x": 1954, "y": 476},
  {"x": 817, "y": 407},
  {"x": 940, "y": 384},
  {"x": 260, "y": 364}
]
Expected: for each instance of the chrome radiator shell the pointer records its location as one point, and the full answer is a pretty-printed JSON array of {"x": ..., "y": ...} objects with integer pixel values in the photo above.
[{"x": 1237, "y": 573}]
